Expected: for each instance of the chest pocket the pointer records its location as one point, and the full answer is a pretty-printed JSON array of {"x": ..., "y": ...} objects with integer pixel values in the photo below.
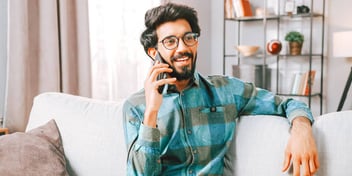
[
  {"x": 214, "y": 125},
  {"x": 218, "y": 114}
]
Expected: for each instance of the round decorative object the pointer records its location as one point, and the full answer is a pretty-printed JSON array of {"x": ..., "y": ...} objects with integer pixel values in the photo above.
[{"x": 274, "y": 46}]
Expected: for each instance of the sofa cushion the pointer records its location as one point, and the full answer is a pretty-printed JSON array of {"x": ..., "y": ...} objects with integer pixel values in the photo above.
[
  {"x": 259, "y": 145},
  {"x": 37, "y": 152}
]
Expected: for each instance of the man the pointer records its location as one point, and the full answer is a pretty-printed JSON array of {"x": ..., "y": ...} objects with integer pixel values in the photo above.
[{"x": 186, "y": 129}]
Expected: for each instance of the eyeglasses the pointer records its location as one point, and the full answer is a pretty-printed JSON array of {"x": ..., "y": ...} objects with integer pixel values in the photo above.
[{"x": 171, "y": 42}]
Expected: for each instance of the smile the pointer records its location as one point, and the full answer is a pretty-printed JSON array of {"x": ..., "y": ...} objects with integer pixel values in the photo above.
[{"x": 182, "y": 59}]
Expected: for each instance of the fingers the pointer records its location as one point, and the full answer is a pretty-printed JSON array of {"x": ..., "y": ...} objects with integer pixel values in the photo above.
[
  {"x": 151, "y": 83},
  {"x": 286, "y": 161},
  {"x": 309, "y": 166},
  {"x": 316, "y": 161},
  {"x": 296, "y": 168},
  {"x": 306, "y": 168},
  {"x": 314, "y": 165},
  {"x": 158, "y": 68}
]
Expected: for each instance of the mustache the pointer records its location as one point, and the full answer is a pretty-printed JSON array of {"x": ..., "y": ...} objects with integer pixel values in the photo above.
[{"x": 182, "y": 55}]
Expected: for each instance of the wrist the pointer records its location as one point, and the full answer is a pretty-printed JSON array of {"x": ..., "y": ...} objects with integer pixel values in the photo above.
[
  {"x": 300, "y": 124},
  {"x": 301, "y": 120},
  {"x": 150, "y": 118}
]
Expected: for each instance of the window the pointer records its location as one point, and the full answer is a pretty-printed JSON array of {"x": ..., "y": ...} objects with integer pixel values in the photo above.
[{"x": 119, "y": 63}]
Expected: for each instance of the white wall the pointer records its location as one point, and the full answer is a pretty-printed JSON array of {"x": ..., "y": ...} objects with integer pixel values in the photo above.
[
  {"x": 338, "y": 19},
  {"x": 3, "y": 53}
]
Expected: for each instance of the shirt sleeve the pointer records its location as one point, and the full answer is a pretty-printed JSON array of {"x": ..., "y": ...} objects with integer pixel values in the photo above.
[
  {"x": 143, "y": 144},
  {"x": 263, "y": 102}
]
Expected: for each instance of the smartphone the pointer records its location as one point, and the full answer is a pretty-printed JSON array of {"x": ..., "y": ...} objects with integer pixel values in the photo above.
[{"x": 161, "y": 75}]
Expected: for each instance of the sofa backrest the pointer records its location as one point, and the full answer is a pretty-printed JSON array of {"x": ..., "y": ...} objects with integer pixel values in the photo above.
[{"x": 93, "y": 138}]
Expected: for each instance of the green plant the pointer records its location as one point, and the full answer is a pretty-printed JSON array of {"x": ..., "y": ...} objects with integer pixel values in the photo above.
[{"x": 294, "y": 36}]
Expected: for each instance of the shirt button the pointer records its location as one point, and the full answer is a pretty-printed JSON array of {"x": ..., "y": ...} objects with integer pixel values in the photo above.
[
  {"x": 194, "y": 151},
  {"x": 189, "y": 131},
  {"x": 190, "y": 171},
  {"x": 213, "y": 109}
]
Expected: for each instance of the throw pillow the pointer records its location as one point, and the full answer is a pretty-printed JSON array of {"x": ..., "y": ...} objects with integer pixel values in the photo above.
[{"x": 36, "y": 152}]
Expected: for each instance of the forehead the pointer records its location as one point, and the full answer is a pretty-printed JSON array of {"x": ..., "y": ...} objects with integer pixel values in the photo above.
[{"x": 176, "y": 28}]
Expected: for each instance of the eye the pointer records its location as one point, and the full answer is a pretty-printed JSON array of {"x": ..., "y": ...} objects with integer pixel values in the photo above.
[
  {"x": 189, "y": 37},
  {"x": 170, "y": 41}
]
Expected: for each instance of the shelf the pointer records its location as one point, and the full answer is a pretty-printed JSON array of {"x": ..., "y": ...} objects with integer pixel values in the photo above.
[
  {"x": 274, "y": 55},
  {"x": 253, "y": 18},
  {"x": 275, "y": 17},
  {"x": 299, "y": 16},
  {"x": 301, "y": 55},
  {"x": 296, "y": 95},
  {"x": 282, "y": 67}
]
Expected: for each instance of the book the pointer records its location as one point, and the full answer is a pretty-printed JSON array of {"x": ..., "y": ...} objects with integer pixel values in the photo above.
[
  {"x": 229, "y": 9},
  {"x": 303, "y": 82},
  {"x": 238, "y": 10},
  {"x": 296, "y": 86},
  {"x": 308, "y": 83},
  {"x": 245, "y": 7}
]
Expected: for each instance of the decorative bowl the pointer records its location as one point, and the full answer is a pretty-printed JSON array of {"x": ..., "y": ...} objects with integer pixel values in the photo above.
[{"x": 247, "y": 50}]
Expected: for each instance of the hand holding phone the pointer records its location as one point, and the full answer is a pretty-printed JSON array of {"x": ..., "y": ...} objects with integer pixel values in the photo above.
[{"x": 161, "y": 75}]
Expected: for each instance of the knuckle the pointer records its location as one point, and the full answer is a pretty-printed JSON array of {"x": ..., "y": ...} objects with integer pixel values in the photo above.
[{"x": 305, "y": 157}]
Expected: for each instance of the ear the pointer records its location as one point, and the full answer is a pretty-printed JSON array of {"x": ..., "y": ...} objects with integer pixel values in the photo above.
[{"x": 152, "y": 52}]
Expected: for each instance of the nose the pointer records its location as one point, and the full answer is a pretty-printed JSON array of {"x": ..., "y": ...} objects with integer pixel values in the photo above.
[{"x": 181, "y": 45}]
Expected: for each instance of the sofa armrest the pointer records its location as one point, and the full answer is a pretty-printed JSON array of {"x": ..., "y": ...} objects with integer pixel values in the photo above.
[{"x": 333, "y": 133}]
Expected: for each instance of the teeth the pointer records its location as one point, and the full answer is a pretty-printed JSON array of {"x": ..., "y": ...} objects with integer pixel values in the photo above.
[{"x": 182, "y": 59}]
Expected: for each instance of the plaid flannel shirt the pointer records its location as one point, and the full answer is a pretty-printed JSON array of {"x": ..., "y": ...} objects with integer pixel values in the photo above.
[{"x": 196, "y": 126}]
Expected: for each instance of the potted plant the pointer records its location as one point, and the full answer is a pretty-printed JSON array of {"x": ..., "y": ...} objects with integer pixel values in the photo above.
[{"x": 295, "y": 40}]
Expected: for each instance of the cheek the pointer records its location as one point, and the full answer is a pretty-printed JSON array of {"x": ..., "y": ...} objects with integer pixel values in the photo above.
[{"x": 166, "y": 55}]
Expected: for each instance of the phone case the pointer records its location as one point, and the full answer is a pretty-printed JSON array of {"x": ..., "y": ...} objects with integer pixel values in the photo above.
[{"x": 161, "y": 75}]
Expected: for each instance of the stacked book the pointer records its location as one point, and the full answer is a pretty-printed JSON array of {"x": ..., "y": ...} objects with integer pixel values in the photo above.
[
  {"x": 303, "y": 82},
  {"x": 243, "y": 8},
  {"x": 237, "y": 8}
]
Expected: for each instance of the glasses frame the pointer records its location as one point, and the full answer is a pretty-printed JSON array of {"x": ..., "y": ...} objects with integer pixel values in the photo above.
[{"x": 195, "y": 35}]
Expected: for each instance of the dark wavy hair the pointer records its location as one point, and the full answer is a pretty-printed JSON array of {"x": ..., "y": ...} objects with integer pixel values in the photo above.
[{"x": 165, "y": 13}]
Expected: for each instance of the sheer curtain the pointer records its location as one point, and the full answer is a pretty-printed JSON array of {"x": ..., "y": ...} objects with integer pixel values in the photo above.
[{"x": 119, "y": 64}]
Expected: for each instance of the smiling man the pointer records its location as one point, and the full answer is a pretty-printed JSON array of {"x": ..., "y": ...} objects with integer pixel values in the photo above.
[{"x": 188, "y": 127}]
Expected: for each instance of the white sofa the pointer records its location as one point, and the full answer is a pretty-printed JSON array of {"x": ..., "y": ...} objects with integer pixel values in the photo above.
[{"x": 93, "y": 139}]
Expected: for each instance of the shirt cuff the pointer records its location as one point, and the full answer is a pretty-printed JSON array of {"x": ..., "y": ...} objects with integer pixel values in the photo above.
[
  {"x": 300, "y": 113},
  {"x": 149, "y": 136}
]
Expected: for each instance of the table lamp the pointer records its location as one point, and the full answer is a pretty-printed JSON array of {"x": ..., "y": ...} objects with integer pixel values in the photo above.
[{"x": 342, "y": 48}]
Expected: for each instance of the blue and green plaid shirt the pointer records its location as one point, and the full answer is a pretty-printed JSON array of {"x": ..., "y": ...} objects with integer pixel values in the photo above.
[{"x": 196, "y": 126}]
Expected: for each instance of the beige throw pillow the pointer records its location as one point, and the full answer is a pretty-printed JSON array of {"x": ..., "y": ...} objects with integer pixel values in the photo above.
[{"x": 34, "y": 153}]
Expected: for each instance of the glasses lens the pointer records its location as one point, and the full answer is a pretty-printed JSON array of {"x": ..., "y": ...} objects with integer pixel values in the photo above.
[
  {"x": 170, "y": 42},
  {"x": 190, "y": 39}
]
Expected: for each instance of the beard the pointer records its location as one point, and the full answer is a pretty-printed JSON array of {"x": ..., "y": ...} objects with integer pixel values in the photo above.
[{"x": 187, "y": 72}]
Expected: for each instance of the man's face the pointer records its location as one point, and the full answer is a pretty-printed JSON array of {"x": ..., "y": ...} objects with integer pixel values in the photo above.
[{"x": 182, "y": 59}]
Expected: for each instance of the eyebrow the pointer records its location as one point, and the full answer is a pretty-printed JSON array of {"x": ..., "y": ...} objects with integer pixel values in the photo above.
[{"x": 176, "y": 36}]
